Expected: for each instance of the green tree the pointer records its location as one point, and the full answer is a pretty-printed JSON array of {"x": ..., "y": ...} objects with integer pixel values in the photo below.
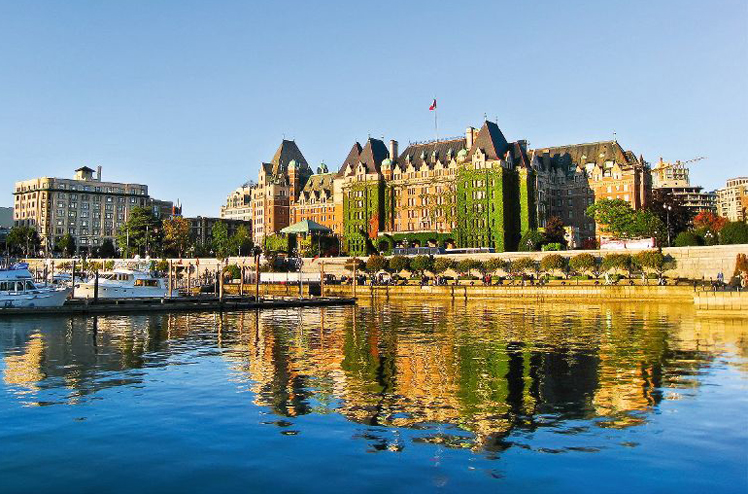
[
  {"x": 176, "y": 236},
  {"x": 553, "y": 263},
  {"x": 614, "y": 215},
  {"x": 232, "y": 272},
  {"x": 220, "y": 240},
  {"x": 443, "y": 264},
  {"x": 617, "y": 262},
  {"x": 375, "y": 263},
  {"x": 66, "y": 244},
  {"x": 531, "y": 241},
  {"x": 358, "y": 263},
  {"x": 688, "y": 239},
  {"x": 654, "y": 261},
  {"x": 734, "y": 232},
  {"x": 107, "y": 250},
  {"x": 583, "y": 263},
  {"x": 466, "y": 266},
  {"x": 495, "y": 264},
  {"x": 241, "y": 241},
  {"x": 525, "y": 265},
  {"x": 399, "y": 263},
  {"x": 422, "y": 264},
  {"x": 23, "y": 239},
  {"x": 647, "y": 224},
  {"x": 141, "y": 234}
]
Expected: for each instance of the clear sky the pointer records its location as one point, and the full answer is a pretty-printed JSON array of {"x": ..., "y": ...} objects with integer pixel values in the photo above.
[{"x": 190, "y": 96}]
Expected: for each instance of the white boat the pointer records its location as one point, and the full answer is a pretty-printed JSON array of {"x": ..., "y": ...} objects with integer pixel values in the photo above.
[
  {"x": 17, "y": 289},
  {"x": 123, "y": 282}
]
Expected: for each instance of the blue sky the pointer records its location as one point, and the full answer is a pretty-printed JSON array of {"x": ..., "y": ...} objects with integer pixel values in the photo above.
[{"x": 190, "y": 96}]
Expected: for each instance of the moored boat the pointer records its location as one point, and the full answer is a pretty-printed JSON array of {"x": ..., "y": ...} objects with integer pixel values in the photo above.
[
  {"x": 123, "y": 282},
  {"x": 17, "y": 289}
]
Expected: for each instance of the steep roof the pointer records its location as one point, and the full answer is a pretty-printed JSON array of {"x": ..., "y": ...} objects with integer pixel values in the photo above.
[
  {"x": 491, "y": 141},
  {"x": 371, "y": 156},
  {"x": 593, "y": 152},
  {"x": 287, "y": 151},
  {"x": 318, "y": 183},
  {"x": 351, "y": 159},
  {"x": 422, "y": 152}
]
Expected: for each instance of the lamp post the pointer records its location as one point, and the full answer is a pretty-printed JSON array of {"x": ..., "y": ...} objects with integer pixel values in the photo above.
[{"x": 668, "y": 208}]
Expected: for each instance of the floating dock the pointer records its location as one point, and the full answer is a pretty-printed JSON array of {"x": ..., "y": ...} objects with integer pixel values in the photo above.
[{"x": 185, "y": 304}]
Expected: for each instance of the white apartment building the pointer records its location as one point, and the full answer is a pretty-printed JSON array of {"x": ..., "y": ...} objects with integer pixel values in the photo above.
[
  {"x": 732, "y": 200},
  {"x": 85, "y": 207},
  {"x": 239, "y": 204}
]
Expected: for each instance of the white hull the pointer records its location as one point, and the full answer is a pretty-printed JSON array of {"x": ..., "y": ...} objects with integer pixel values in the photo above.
[
  {"x": 43, "y": 299},
  {"x": 114, "y": 291}
]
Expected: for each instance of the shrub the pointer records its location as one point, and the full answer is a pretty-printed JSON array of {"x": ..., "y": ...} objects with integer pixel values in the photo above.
[
  {"x": 734, "y": 232},
  {"x": 617, "y": 262},
  {"x": 354, "y": 262},
  {"x": 553, "y": 262},
  {"x": 741, "y": 264},
  {"x": 399, "y": 263},
  {"x": 375, "y": 263},
  {"x": 583, "y": 263},
  {"x": 555, "y": 246},
  {"x": 531, "y": 241},
  {"x": 688, "y": 239},
  {"x": 443, "y": 264},
  {"x": 162, "y": 266},
  {"x": 232, "y": 271},
  {"x": 109, "y": 265}
]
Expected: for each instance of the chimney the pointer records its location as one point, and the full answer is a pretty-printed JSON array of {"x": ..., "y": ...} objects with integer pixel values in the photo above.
[
  {"x": 393, "y": 149},
  {"x": 98, "y": 173},
  {"x": 469, "y": 137}
]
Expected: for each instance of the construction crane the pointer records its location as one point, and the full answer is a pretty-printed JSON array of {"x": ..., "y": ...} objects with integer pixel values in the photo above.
[{"x": 678, "y": 164}]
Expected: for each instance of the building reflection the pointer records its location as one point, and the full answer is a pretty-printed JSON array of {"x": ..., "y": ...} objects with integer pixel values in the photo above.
[{"x": 469, "y": 375}]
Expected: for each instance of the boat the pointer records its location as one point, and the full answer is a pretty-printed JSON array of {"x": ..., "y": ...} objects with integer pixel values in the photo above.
[
  {"x": 17, "y": 289},
  {"x": 125, "y": 281}
]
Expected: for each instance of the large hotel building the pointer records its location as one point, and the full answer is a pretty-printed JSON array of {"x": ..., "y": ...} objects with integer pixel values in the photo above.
[
  {"x": 475, "y": 190},
  {"x": 86, "y": 207}
]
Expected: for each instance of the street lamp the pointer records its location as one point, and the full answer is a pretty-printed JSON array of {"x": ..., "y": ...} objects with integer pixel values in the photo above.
[{"x": 668, "y": 208}]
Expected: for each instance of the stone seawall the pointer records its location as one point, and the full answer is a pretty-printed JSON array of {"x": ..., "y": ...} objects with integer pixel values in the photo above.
[
  {"x": 722, "y": 301},
  {"x": 582, "y": 292}
]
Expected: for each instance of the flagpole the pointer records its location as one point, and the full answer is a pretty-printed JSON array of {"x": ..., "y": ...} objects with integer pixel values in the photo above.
[{"x": 436, "y": 127}]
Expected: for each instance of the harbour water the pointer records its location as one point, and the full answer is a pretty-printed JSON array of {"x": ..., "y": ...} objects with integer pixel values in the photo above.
[{"x": 409, "y": 396}]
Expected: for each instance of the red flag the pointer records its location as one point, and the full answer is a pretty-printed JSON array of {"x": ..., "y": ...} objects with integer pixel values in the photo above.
[{"x": 433, "y": 105}]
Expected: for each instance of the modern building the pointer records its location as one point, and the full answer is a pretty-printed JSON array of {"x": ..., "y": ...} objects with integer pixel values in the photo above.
[
  {"x": 238, "y": 204},
  {"x": 732, "y": 200},
  {"x": 165, "y": 209},
  {"x": 671, "y": 183},
  {"x": 6, "y": 217},
  {"x": 201, "y": 228},
  {"x": 666, "y": 174},
  {"x": 85, "y": 206}
]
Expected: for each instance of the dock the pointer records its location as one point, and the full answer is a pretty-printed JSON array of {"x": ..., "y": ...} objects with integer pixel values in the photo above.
[{"x": 186, "y": 304}]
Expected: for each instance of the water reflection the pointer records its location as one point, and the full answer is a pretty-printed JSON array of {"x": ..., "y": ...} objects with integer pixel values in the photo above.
[{"x": 465, "y": 376}]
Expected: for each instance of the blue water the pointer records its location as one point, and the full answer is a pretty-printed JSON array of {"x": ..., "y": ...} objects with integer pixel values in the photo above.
[{"x": 385, "y": 397}]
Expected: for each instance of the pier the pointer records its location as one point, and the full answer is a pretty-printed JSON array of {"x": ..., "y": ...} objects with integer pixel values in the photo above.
[{"x": 191, "y": 304}]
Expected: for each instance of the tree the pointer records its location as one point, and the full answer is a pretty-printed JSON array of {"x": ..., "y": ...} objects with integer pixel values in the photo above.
[
  {"x": 495, "y": 264},
  {"x": 66, "y": 244},
  {"x": 141, "y": 234},
  {"x": 352, "y": 263},
  {"x": 422, "y": 264},
  {"x": 107, "y": 250},
  {"x": 552, "y": 263},
  {"x": 531, "y": 241},
  {"x": 655, "y": 261},
  {"x": 555, "y": 231},
  {"x": 688, "y": 239},
  {"x": 734, "y": 232},
  {"x": 525, "y": 265},
  {"x": 617, "y": 262},
  {"x": 647, "y": 224},
  {"x": 375, "y": 263},
  {"x": 443, "y": 264},
  {"x": 232, "y": 272},
  {"x": 677, "y": 215},
  {"x": 466, "y": 266},
  {"x": 176, "y": 236},
  {"x": 583, "y": 263},
  {"x": 399, "y": 263},
  {"x": 614, "y": 215},
  {"x": 241, "y": 241},
  {"x": 709, "y": 221},
  {"x": 220, "y": 240},
  {"x": 23, "y": 239}
]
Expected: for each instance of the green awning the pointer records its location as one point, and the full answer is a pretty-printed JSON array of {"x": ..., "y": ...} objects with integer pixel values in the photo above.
[{"x": 306, "y": 227}]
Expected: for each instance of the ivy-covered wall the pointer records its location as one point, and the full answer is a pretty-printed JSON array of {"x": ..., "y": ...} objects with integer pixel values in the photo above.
[
  {"x": 528, "y": 211},
  {"x": 362, "y": 201}
]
